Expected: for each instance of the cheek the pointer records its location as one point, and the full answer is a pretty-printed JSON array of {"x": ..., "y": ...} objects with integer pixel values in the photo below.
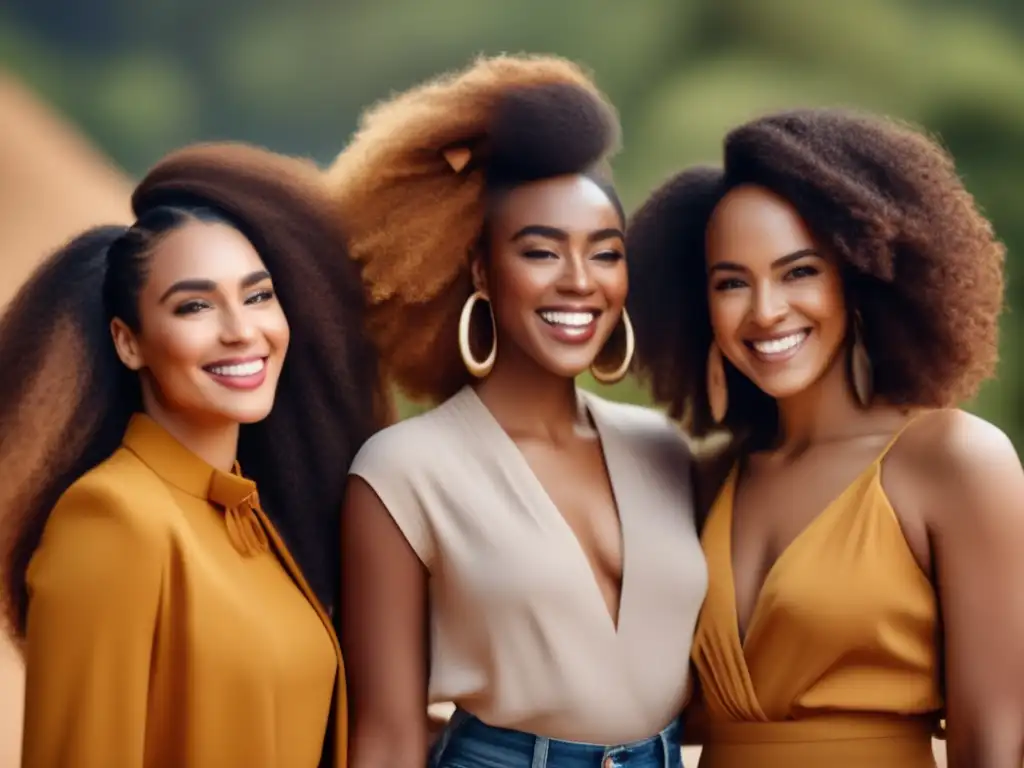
[
  {"x": 276, "y": 329},
  {"x": 178, "y": 344},
  {"x": 726, "y": 312},
  {"x": 822, "y": 301},
  {"x": 517, "y": 290},
  {"x": 614, "y": 281}
]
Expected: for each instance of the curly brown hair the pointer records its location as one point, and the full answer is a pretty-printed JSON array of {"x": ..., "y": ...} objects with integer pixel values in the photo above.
[
  {"x": 65, "y": 397},
  {"x": 920, "y": 263},
  {"x": 413, "y": 215}
]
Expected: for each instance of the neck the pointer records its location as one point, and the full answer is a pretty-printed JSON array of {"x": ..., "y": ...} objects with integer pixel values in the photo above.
[
  {"x": 529, "y": 401},
  {"x": 215, "y": 442},
  {"x": 827, "y": 410}
]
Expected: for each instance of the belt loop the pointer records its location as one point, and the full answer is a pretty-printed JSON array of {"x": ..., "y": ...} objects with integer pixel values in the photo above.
[
  {"x": 540, "y": 752},
  {"x": 670, "y": 739},
  {"x": 457, "y": 720}
]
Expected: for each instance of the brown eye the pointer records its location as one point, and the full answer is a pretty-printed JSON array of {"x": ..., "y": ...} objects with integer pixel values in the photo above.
[
  {"x": 728, "y": 284},
  {"x": 539, "y": 254},
  {"x": 260, "y": 297},
  {"x": 191, "y": 307},
  {"x": 804, "y": 270}
]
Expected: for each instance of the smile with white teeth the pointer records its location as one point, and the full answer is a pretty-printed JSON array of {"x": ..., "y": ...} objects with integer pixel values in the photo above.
[
  {"x": 770, "y": 347},
  {"x": 568, "y": 319},
  {"x": 241, "y": 369}
]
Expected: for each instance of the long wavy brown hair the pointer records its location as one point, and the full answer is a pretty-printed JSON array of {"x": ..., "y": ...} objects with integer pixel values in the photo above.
[{"x": 65, "y": 398}]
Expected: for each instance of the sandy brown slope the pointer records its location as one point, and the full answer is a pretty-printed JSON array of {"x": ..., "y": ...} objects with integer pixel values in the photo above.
[{"x": 52, "y": 185}]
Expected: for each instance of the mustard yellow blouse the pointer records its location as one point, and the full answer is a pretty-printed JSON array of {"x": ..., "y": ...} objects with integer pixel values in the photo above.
[{"x": 169, "y": 626}]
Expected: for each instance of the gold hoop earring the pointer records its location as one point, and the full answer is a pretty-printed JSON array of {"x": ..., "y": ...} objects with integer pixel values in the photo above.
[
  {"x": 862, "y": 374},
  {"x": 477, "y": 368},
  {"x": 612, "y": 377},
  {"x": 718, "y": 389}
]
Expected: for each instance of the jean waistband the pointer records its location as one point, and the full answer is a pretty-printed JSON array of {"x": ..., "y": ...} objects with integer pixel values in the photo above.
[{"x": 660, "y": 749}]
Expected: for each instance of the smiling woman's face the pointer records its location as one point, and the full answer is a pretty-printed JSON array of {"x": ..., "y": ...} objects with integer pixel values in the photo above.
[
  {"x": 556, "y": 272},
  {"x": 212, "y": 336},
  {"x": 777, "y": 307}
]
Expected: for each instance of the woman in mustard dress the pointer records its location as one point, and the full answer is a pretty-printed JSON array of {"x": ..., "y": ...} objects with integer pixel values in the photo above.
[
  {"x": 826, "y": 299},
  {"x": 172, "y": 610}
]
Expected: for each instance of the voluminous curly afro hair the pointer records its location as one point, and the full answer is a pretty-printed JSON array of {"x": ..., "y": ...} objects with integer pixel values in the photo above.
[
  {"x": 920, "y": 262},
  {"x": 412, "y": 191},
  {"x": 66, "y": 399}
]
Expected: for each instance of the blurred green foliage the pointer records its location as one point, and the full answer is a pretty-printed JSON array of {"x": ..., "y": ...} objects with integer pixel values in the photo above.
[{"x": 143, "y": 78}]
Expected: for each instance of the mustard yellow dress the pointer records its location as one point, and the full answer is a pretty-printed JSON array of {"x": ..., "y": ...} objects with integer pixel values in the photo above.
[
  {"x": 169, "y": 626},
  {"x": 840, "y": 665}
]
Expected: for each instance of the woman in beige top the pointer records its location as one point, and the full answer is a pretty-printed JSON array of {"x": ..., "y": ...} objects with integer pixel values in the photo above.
[{"x": 524, "y": 550}]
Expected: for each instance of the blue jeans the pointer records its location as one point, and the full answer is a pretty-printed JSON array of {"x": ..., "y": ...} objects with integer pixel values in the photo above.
[{"x": 468, "y": 743}]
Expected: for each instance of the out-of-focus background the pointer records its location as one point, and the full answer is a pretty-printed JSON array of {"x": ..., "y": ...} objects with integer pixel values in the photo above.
[{"x": 92, "y": 93}]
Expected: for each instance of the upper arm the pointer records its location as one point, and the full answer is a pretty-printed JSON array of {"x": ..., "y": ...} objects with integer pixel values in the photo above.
[
  {"x": 383, "y": 632},
  {"x": 94, "y": 591},
  {"x": 975, "y": 517}
]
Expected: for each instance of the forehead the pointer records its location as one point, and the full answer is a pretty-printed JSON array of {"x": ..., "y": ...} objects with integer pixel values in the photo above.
[
  {"x": 203, "y": 250},
  {"x": 570, "y": 203},
  {"x": 752, "y": 224}
]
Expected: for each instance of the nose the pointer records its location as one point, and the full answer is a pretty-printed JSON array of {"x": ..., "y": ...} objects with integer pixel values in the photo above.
[
  {"x": 769, "y": 305},
  {"x": 576, "y": 277},
  {"x": 236, "y": 327}
]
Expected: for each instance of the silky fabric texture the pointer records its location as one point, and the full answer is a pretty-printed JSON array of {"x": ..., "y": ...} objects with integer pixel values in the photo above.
[
  {"x": 840, "y": 666},
  {"x": 521, "y": 636},
  {"x": 468, "y": 743},
  {"x": 168, "y": 625}
]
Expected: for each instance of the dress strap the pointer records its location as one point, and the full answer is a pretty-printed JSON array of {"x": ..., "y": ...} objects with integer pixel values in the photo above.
[{"x": 899, "y": 433}]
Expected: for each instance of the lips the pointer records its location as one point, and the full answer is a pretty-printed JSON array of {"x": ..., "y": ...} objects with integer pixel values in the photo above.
[
  {"x": 571, "y": 326},
  {"x": 240, "y": 373},
  {"x": 779, "y": 347}
]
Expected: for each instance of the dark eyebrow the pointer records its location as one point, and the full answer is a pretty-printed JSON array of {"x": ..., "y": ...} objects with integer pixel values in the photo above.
[
  {"x": 789, "y": 258},
  {"x": 605, "y": 234},
  {"x": 731, "y": 266},
  {"x": 256, "y": 277},
  {"x": 208, "y": 286},
  {"x": 553, "y": 233},
  {"x": 189, "y": 286}
]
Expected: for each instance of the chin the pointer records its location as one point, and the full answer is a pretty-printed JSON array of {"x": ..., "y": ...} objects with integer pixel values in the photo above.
[
  {"x": 564, "y": 366},
  {"x": 243, "y": 413},
  {"x": 782, "y": 388}
]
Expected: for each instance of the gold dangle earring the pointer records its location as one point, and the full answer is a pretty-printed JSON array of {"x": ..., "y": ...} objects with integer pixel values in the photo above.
[
  {"x": 862, "y": 373},
  {"x": 477, "y": 368},
  {"x": 614, "y": 376},
  {"x": 718, "y": 390}
]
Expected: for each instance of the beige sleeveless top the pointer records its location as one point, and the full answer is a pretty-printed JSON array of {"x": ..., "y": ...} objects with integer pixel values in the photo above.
[{"x": 520, "y": 633}]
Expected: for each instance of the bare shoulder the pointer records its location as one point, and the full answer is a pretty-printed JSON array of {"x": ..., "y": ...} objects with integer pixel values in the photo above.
[
  {"x": 960, "y": 443},
  {"x": 966, "y": 465}
]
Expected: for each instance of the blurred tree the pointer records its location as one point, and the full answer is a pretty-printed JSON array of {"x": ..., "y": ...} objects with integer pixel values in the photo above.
[{"x": 144, "y": 77}]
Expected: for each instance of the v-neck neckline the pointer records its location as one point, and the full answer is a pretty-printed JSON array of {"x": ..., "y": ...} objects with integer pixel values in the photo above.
[
  {"x": 505, "y": 443},
  {"x": 771, "y": 574}
]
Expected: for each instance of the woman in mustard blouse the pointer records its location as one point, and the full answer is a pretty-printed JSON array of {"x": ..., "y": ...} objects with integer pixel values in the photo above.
[
  {"x": 827, "y": 298},
  {"x": 174, "y": 611}
]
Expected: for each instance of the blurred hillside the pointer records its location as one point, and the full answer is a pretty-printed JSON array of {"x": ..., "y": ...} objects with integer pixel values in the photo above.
[{"x": 142, "y": 78}]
